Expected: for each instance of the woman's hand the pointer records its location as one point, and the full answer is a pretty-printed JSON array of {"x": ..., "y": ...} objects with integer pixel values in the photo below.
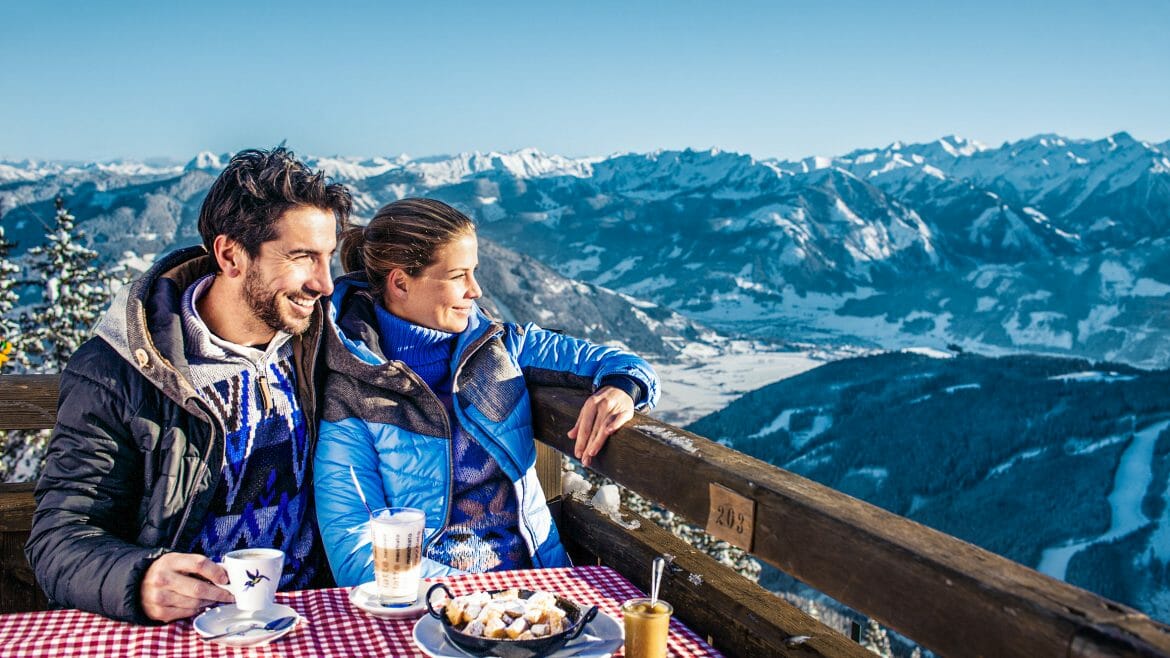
[{"x": 602, "y": 414}]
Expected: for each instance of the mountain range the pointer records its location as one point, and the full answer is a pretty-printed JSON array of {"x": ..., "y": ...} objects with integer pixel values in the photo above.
[
  {"x": 1041, "y": 266},
  {"x": 1046, "y": 244}
]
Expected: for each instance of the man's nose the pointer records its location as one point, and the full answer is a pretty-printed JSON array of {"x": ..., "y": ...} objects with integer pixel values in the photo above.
[{"x": 322, "y": 282}]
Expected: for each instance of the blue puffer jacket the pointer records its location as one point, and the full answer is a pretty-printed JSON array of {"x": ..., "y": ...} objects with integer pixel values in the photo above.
[{"x": 381, "y": 419}]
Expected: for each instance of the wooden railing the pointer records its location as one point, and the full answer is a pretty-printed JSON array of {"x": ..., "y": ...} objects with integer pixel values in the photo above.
[
  {"x": 27, "y": 402},
  {"x": 948, "y": 595}
]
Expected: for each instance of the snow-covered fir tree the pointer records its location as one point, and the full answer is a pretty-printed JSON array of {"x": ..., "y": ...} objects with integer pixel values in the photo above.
[
  {"x": 8, "y": 331},
  {"x": 75, "y": 294},
  {"x": 9, "y": 274},
  {"x": 875, "y": 638}
]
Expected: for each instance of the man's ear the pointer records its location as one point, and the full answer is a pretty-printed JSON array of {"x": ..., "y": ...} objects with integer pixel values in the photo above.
[
  {"x": 398, "y": 284},
  {"x": 231, "y": 255}
]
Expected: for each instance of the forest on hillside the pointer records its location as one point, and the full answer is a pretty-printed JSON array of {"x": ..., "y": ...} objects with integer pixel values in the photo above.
[{"x": 1018, "y": 454}]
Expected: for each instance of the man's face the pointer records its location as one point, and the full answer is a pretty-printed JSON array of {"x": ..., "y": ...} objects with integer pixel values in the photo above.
[{"x": 285, "y": 279}]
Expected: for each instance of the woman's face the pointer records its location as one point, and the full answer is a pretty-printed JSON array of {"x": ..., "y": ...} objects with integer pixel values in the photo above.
[{"x": 439, "y": 297}]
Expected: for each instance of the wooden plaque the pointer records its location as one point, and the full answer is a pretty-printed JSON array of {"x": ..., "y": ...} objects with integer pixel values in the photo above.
[{"x": 731, "y": 517}]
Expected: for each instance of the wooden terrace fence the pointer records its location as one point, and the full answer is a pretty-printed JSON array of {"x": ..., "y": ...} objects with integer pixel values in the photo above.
[{"x": 946, "y": 594}]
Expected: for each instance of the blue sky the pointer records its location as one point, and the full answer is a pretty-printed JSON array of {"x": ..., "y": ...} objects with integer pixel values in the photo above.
[{"x": 101, "y": 80}]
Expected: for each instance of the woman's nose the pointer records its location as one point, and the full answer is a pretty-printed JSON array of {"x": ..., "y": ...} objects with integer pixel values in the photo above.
[{"x": 474, "y": 292}]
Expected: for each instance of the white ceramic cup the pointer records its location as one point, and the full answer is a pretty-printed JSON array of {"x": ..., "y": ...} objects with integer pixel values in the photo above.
[
  {"x": 253, "y": 574},
  {"x": 397, "y": 540}
]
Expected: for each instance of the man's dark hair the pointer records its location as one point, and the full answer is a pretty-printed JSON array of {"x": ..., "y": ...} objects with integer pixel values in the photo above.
[{"x": 256, "y": 188}]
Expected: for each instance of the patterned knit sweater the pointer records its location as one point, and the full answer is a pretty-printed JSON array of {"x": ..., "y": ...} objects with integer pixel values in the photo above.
[
  {"x": 481, "y": 533},
  {"x": 263, "y": 498}
]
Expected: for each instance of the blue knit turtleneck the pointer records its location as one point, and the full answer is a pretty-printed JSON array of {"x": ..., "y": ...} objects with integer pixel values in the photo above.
[
  {"x": 482, "y": 532},
  {"x": 426, "y": 351}
]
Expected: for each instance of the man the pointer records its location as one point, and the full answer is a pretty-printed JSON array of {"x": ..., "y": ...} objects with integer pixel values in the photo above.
[{"x": 186, "y": 426}]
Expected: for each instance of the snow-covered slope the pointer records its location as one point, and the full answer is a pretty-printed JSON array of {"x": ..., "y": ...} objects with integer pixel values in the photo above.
[
  {"x": 1044, "y": 244},
  {"x": 1059, "y": 464}
]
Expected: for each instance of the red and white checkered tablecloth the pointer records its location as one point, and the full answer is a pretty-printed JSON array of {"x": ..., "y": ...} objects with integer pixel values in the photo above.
[{"x": 332, "y": 627}]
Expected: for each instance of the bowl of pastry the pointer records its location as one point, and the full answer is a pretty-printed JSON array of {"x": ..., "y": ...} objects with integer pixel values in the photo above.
[{"x": 509, "y": 623}]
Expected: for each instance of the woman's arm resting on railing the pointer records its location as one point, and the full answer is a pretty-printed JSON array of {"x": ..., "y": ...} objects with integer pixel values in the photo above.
[{"x": 622, "y": 381}]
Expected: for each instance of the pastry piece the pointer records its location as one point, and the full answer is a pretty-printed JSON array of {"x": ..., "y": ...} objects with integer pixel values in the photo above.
[
  {"x": 474, "y": 628},
  {"x": 517, "y": 628},
  {"x": 495, "y": 629}
]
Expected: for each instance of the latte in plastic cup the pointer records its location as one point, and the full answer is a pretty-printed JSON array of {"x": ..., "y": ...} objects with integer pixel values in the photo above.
[
  {"x": 253, "y": 575},
  {"x": 646, "y": 627},
  {"x": 397, "y": 539}
]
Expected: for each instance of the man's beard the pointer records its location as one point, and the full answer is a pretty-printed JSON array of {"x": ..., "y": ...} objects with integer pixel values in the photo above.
[{"x": 265, "y": 303}]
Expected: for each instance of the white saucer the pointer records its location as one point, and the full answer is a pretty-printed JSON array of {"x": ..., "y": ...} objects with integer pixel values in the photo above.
[
  {"x": 227, "y": 618},
  {"x": 365, "y": 597},
  {"x": 601, "y": 637}
]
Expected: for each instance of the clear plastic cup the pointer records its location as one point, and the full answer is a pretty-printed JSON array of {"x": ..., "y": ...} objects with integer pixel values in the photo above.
[{"x": 647, "y": 627}]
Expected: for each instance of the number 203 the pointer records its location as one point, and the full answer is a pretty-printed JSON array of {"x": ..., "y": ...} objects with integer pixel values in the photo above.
[{"x": 729, "y": 518}]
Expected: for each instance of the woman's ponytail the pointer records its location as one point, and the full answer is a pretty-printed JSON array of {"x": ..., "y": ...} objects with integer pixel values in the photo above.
[{"x": 353, "y": 243}]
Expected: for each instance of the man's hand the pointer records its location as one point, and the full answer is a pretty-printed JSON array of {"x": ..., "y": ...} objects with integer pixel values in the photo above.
[
  {"x": 178, "y": 585},
  {"x": 601, "y": 415}
]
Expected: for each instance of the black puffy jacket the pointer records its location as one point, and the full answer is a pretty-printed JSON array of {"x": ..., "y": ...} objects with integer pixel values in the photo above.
[{"x": 127, "y": 476}]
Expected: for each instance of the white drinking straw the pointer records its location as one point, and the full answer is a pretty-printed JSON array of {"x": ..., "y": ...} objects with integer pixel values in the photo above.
[
  {"x": 360, "y": 494},
  {"x": 656, "y": 579}
]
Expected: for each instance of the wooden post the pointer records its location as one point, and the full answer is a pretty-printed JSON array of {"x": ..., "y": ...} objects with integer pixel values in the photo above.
[
  {"x": 18, "y": 589},
  {"x": 548, "y": 469},
  {"x": 738, "y": 617}
]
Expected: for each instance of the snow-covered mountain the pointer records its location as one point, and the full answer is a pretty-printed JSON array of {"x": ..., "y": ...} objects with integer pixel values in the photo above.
[
  {"x": 1045, "y": 244},
  {"x": 1060, "y": 464},
  {"x": 133, "y": 224},
  {"x": 518, "y": 288}
]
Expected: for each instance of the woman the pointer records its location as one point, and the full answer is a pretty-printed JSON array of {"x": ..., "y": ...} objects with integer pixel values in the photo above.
[{"x": 426, "y": 399}]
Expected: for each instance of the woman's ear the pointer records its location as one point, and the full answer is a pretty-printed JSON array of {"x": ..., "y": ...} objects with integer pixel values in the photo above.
[{"x": 397, "y": 284}]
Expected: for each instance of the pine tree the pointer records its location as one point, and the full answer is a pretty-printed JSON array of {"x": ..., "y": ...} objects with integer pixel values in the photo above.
[
  {"x": 876, "y": 640},
  {"x": 12, "y": 444},
  {"x": 75, "y": 294},
  {"x": 9, "y": 328}
]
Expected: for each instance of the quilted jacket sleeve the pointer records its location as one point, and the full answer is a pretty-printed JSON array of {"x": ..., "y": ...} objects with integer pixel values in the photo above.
[
  {"x": 344, "y": 522},
  {"x": 81, "y": 543},
  {"x": 543, "y": 354}
]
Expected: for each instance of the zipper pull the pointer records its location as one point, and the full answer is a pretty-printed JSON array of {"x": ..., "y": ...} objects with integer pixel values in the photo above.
[{"x": 265, "y": 392}]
